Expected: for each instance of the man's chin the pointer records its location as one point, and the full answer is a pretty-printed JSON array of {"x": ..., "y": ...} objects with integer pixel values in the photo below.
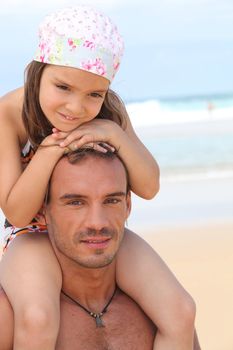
[{"x": 95, "y": 263}]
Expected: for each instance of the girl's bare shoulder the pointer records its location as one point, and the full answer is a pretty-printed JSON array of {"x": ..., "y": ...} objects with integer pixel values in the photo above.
[
  {"x": 11, "y": 111},
  {"x": 12, "y": 102}
]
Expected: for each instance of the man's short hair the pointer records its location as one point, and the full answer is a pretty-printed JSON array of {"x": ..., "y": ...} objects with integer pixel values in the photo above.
[{"x": 81, "y": 154}]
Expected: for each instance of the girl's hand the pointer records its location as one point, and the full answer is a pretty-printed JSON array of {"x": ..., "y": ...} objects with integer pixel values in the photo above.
[
  {"x": 97, "y": 134},
  {"x": 51, "y": 141},
  {"x": 59, "y": 136}
]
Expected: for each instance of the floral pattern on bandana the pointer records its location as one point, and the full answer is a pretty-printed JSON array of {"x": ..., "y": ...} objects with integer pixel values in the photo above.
[{"x": 83, "y": 38}]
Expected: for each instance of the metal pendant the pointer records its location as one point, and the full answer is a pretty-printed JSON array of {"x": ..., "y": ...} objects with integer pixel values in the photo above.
[{"x": 99, "y": 322}]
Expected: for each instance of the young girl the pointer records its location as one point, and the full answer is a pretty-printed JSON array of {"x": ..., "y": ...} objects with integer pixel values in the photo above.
[{"x": 66, "y": 103}]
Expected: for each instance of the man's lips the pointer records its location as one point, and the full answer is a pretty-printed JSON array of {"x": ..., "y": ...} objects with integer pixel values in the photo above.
[{"x": 96, "y": 242}]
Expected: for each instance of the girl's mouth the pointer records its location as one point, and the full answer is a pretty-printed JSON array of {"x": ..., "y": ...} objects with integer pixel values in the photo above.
[{"x": 67, "y": 117}]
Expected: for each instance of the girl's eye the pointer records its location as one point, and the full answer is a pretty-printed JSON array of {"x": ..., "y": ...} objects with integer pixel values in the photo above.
[
  {"x": 96, "y": 95},
  {"x": 62, "y": 87}
]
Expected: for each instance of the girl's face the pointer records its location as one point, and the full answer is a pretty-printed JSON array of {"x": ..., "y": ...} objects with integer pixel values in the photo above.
[{"x": 70, "y": 97}]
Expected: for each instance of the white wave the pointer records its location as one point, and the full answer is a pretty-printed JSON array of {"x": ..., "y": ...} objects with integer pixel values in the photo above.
[
  {"x": 198, "y": 175},
  {"x": 150, "y": 113}
]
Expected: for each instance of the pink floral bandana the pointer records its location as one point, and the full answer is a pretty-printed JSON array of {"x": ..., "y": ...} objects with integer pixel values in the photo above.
[{"x": 83, "y": 38}]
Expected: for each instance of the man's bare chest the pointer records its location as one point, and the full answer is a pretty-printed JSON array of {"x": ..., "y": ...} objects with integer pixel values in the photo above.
[{"x": 126, "y": 327}]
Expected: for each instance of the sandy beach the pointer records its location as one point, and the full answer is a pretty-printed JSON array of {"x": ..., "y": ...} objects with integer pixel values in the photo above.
[{"x": 201, "y": 257}]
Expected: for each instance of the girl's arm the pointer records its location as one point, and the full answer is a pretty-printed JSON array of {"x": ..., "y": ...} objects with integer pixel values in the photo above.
[
  {"x": 22, "y": 192},
  {"x": 142, "y": 167},
  {"x": 143, "y": 275}
]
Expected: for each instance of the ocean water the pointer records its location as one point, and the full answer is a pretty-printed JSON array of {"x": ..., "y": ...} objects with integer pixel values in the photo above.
[
  {"x": 192, "y": 141},
  {"x": 190, "y": 137}
]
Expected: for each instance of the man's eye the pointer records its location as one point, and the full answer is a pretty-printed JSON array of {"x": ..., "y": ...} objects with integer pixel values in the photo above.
[
  {"x": 76, "y": 203},
  {"x": 112, "y": 201}
]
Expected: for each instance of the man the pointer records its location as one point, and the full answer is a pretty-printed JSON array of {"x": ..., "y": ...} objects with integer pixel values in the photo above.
[{"x": 87, "y": 206}]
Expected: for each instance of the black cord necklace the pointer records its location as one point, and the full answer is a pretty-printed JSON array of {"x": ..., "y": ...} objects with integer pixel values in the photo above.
[{"x": 96, "y": 316}]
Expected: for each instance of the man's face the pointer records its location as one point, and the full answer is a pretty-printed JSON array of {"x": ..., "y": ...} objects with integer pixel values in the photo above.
[{"x": 87, "y": 210}]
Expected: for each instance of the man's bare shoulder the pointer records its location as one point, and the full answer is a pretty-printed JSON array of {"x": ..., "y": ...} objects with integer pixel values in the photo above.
[
  {"x": 126, "y": 327},
  {"x": 6, "y": 322}
]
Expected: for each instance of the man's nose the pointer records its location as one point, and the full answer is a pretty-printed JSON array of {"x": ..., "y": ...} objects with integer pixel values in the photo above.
[{"x": 96, "y": 218}]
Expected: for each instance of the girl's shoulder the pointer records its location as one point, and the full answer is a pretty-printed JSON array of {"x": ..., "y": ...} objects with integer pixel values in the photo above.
[
  {"x": 12, "y": 102},
  {"x": 11, "y": 112}
]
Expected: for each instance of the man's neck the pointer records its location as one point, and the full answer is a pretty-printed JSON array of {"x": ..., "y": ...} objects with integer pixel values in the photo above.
[{"x": 92, "y": 288}]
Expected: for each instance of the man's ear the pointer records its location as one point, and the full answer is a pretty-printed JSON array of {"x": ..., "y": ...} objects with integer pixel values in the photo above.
[{"x": 128, "y": 204}]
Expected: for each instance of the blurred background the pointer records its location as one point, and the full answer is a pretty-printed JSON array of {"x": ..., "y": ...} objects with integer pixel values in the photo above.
[{"x": 176, "y": 79}]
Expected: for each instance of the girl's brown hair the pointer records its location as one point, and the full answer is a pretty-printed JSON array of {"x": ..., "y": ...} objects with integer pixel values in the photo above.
[{"x": 35, "y": 122}]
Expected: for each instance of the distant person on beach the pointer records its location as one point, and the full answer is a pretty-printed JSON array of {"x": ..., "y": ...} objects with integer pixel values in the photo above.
[
  {"x": 86, "y": 224},
  {"x": 210, "y": 107},
  {"x": 67, "y": 102}
]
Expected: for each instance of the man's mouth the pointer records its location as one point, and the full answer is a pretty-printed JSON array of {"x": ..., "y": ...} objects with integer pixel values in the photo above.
[{"x": 96, "y": 242}]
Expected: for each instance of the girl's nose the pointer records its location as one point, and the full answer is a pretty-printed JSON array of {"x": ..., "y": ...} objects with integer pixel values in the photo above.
[{"x": 75, "y": 106}]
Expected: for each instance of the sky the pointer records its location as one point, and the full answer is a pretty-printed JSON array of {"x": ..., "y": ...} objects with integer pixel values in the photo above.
[{"x": 174, "y": 48}]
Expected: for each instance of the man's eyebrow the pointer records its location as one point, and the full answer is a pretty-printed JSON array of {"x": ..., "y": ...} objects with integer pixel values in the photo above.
[
  {"x": 116, "y": 194},
  {"x": 71, "y": 196},
  {"x": 78, "y": 195}
]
